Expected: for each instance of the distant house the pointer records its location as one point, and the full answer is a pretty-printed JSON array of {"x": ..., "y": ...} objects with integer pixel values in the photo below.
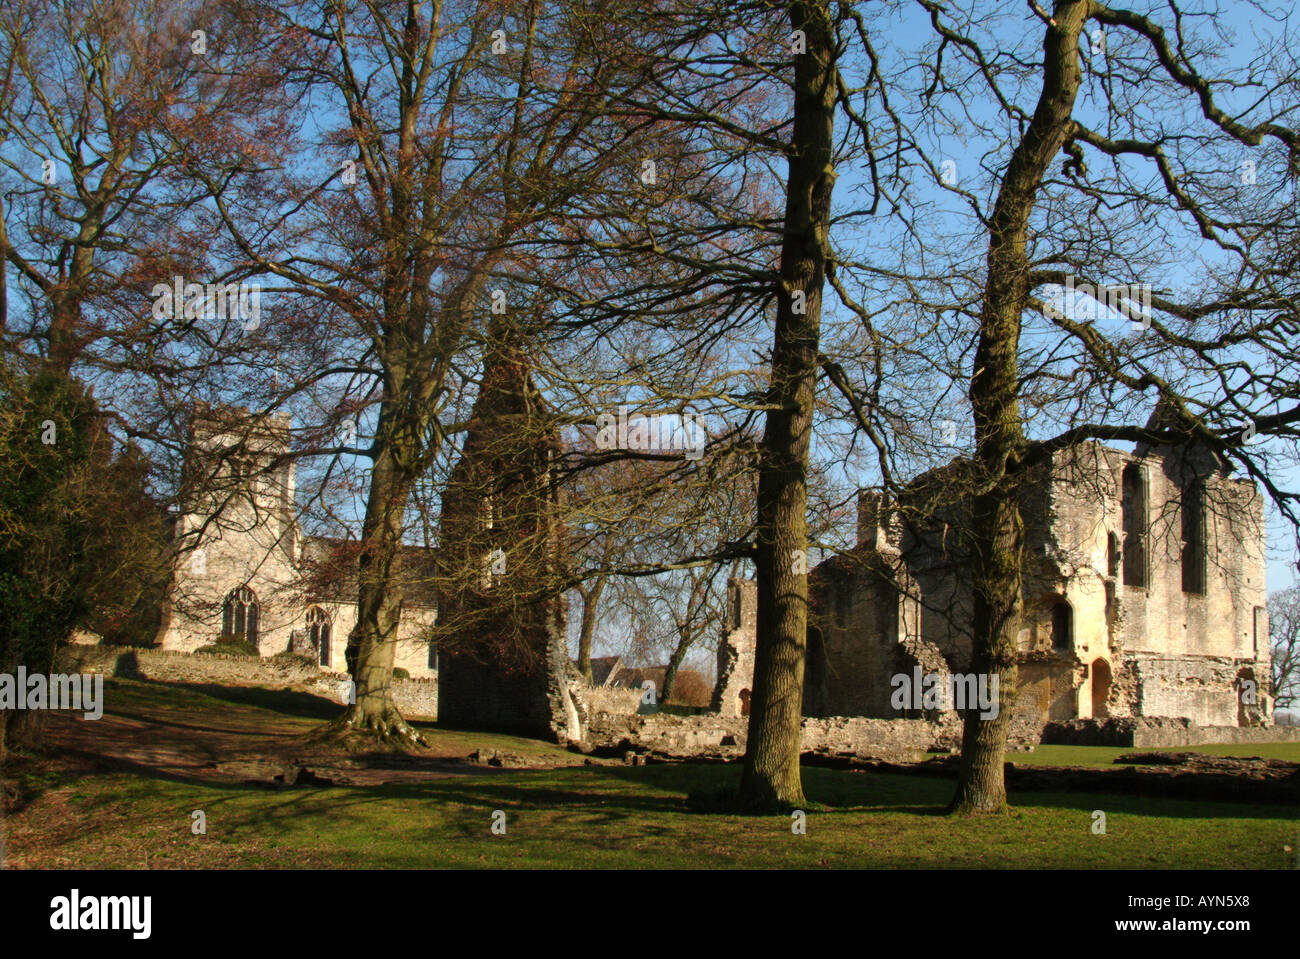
[
  {"x": 604, "y": 669},
  {"x": 635, "y": 678}
]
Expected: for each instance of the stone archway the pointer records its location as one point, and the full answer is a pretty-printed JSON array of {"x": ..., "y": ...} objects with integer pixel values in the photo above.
[
  {"x": 744, "y": 702},
  {"x": 1251, "y": 710},
  {"x": 1101, "y": 681}
]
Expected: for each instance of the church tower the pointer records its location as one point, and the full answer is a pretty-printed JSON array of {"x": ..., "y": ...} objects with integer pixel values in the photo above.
[{"x": 237, "y": 536}]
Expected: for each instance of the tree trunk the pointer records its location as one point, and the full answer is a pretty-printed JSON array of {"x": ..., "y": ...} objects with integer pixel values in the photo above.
[
  {"x": 675, "y": 664},
  {"x": 372, "y": 643},
  {"x": 771, "y": 775},
  {"x": 590, "y": 602},
  {"x": 995, "y": 403}
]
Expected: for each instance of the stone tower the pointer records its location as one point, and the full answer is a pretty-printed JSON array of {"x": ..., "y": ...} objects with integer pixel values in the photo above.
[
  {"x": 503, "y": 648},
  {"x": 236, "y": 533},
  {"x": 736, "y": 650}
]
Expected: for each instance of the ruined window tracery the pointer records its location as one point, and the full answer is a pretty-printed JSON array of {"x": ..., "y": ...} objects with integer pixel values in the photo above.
[
  {"x": 319, "y": 629},
  {"x": 1134, "y": 509},
  {"x": 239, "y": 615}
]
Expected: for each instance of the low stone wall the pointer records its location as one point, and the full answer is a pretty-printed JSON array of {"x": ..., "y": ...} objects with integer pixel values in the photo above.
[
  {"x": 1203, "y": 689},
  {"x": 602, "y": 700},
  {"x": 416, "y": 698},
  {"x": 1160, "y": 731},
  {"x": 711, "y": 736}
]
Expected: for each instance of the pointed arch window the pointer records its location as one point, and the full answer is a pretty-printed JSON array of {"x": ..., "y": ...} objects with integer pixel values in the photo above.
[
  {"x": 1134, "y": 509},
  {"x": 1194, "y": 555},
  {"x": 1062, "y": 625},
  {"x": 239, "y": 615},
  {"x": 320, "y": 630}
]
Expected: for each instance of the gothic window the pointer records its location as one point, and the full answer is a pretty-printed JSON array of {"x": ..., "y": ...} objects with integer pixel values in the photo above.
[
  {"x": 1194, "y": 549},
  {"x": 318, "y": 628},
  {"x": 239, "y": 615},
  {"x": 1062, "y": 625},
  {"x": 1134, "y": 508},
  {"x": 842, "y": 600}
]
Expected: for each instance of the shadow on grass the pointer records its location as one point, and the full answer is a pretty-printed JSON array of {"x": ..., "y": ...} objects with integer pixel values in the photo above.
[
  {"x": 286, "y": 702},
  {"x": 692, "y": 789}
]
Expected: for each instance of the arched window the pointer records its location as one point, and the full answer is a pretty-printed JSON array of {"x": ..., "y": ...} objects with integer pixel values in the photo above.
[
  {"x": 1194, "y": 553},
  {"x": 239, "y": 615},
  {"x": 1062, "y": 625},
  {"x": 1134, "y": 514},
  {"x": 318, "y": 628},
  {"x": 1101, "y": 679}
]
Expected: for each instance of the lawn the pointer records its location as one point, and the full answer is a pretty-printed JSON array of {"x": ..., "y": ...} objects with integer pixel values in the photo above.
[
  {"x": 1106, "y": 755},
  {"x": 596, "y": 816}
]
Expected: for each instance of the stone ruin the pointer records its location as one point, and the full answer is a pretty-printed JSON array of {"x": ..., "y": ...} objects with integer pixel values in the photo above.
[
  {"x": 736, "y": 650},
  {"x": 501, "y": 634},
  {"x": 1143, "y": 595},
  {"x": 1144, "y": 606}
]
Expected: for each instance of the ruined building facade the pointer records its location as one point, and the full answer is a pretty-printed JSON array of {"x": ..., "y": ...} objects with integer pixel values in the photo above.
[
  {"x": 503, "y": 644},
  {"x": 1143, "y": 595}
]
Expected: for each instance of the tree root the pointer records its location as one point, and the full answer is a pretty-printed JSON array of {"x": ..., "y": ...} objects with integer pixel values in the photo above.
[{"x": 387, "y": 727}]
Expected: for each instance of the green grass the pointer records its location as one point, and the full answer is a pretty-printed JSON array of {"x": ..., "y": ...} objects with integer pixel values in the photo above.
[
  {"x": 600, "y": 816},
  {"x": 285, "y": 711},
  {"x": 1106, "y": 755},
  {"x": 639, "y": 817}
]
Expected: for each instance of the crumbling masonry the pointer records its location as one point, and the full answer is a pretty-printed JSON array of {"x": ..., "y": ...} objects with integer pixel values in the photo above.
[{"x": 1143, "y": 592}]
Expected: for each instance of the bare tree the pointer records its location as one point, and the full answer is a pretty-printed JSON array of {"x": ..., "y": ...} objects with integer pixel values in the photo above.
[
  {"x": 1284, "y": 646},
  {"x": 1203, "y": 364}
]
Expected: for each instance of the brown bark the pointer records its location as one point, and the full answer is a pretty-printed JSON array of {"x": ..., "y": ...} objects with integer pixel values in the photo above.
[
  {"x": 590, "y": 602},
  {"x": 771, "y": 775},
  {"x": 674, "y": 666},
  {"x": 995, "y": 402},
  {"x": 372, "y": 644}
]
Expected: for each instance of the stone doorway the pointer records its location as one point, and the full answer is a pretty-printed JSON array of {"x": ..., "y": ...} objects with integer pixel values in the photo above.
[
  {"x": 744, "y": 702},
  {"x": 1100, "y": 689}
]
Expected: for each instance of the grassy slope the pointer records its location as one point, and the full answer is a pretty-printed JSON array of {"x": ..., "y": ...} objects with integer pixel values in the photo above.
[{"x": 605, "y": 816}]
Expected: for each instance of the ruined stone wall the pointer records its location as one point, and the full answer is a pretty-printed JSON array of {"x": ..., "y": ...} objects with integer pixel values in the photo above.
[
  {"x": 1163, "y": 619},
  {"x": 1048, "y": 689},
  {"x": 855, "y": 645},
  {"x": 1201, "y": 689},
  {"x": 502, "y": 639},
  {"x": 723, "y": 737},
  {"x": 1162, "y": 731},
  {"x": 736, "y": 649},
  {"x": 484, "y": 695},
  {"x": 1082, "y": 619},
  {"x": 603, "y": 700},
  {"x": 1115, "y": 620}
]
